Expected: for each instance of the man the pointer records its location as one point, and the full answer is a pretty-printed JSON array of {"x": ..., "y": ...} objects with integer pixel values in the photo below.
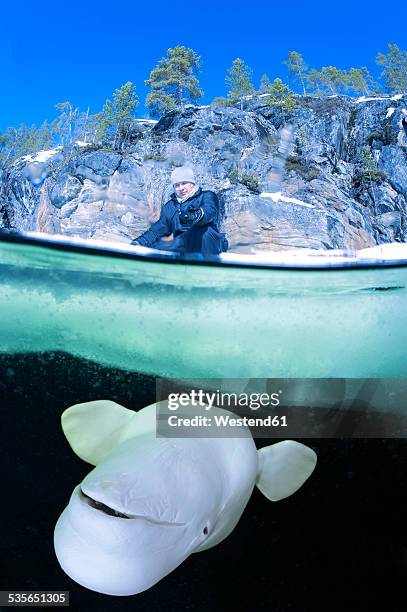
[{"x": 189, "y": 218}]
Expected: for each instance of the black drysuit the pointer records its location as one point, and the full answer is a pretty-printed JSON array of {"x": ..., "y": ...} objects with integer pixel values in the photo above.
[{"x": 193, "y": 224}]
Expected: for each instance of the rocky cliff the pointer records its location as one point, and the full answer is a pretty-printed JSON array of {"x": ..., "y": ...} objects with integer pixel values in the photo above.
[{"x": 332, "y": 174}]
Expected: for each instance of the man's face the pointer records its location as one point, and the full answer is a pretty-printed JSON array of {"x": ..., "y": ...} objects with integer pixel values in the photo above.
[{"x": 183, "y": 189}]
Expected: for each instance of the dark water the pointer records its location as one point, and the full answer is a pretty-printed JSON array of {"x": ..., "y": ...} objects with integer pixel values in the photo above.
[{"x": 338, "y": 544}]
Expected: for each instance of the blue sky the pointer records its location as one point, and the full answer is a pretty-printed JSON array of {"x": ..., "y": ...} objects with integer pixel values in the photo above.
[{"x": 82, "y": 51}]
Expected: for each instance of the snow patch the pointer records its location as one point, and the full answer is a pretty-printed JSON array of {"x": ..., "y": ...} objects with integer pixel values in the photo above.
[
  {"x": 365, "y": 99},
  {"x": 42, "y": 156},
  {"x": 318, "y": 258},
  {"x": 276, "y": 196},
  {"x": 391, "y": 250},
  {"x": 293, "y": 257},
  {"x": 390, "y": 111},
  {"x": 146, "y": 121}
]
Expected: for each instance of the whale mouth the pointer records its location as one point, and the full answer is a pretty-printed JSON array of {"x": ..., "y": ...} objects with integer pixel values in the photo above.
[
  {"x": 93, "y": 503},
  {"x": 102, "y": 507}
]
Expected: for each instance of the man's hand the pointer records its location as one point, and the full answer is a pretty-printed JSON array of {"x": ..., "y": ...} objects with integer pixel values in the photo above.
[{"x": 190, "y": 215}]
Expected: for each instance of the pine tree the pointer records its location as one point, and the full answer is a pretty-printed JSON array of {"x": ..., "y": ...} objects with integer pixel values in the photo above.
[
  {"x": 297, "y": 68},
  {"x": 315, "y": 81},
  {"x": 333, "y": 79},
  {"x": 369, "y": 163},
  {"x": 18, "y": 142},
  {"x": 31, "y": 142},
  {"x": 117, "y": 116},
  {"x": 368, "y": 173},
  {"x": 281, "y": 96},
  {"x": 359, "y": 80},
  {"x": 94, "y": 131},
  {"x": 64, "y": 124},
  {"x": 265, "y": 84},
  {"x": 328, "y": 80},
  {"x": 83, "y": 127},
  {"x": 4, "y": 151},
  {"x": 9, "y": 140},
  {"x": 239, "y": 81},
  {"x": 394, "y": 69},
  {"x": 45, "y": 136},
  {"x": 174, "y": 82}
]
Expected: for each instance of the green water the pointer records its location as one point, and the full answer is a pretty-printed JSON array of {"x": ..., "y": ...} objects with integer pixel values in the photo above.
[{"x": 183, "y": 320}]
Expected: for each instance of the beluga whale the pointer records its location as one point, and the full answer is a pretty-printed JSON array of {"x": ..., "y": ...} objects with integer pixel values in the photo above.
[{"x": 151, "y": 501}]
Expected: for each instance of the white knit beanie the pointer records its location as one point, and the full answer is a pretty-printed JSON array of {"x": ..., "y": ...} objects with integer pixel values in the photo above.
[{"x": 184, "y": 174}]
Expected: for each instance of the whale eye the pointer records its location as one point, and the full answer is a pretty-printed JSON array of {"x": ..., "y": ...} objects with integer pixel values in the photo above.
[{"x": 205, "y": 530}]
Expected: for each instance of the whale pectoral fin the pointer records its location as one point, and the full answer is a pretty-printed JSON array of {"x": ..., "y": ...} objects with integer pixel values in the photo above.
[
  {"x": 283, "y": 468},
  {"x": 94, "y": 428}
]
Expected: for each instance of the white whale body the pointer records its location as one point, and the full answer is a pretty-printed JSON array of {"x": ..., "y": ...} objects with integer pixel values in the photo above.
[{"x": 150, "y": 502}]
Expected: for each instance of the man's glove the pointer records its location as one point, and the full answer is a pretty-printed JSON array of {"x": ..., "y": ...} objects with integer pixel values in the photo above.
[{"x": 190, "y": 215}]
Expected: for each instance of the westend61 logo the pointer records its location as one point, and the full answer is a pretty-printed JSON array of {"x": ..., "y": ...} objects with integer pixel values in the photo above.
[{"x": 220, "y": 399}]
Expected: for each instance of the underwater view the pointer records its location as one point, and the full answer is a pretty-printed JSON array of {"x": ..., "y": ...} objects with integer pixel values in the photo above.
[
  {"x": 80, "y": 325},
  {"x": 203, "y": 307},
  {"x": 338, "y": 542},
  {"x": 293, "y": 317}
]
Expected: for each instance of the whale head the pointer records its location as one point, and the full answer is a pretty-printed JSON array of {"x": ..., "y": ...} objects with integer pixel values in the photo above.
[{"x": 137, "y": 515}]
